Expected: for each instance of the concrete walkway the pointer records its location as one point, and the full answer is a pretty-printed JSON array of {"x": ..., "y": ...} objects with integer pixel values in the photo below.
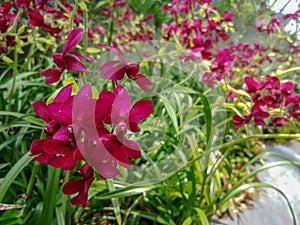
[{"x": 270, "y": 208}]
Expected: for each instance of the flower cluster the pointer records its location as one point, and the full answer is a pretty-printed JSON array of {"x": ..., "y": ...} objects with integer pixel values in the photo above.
[
  {"x": 131, "y": 27},
  {"x": 267, "y": 96},
  {"x": 36, "y": 18},
  {"x": 6, "y": 20},
  {"x": 208, "y": 27},
  {"x": 68, "y": 60},
  {"x": 88, "y": 130}
]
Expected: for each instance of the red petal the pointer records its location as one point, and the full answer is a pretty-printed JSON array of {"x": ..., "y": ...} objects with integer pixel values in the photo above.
[
  {"x": 81, "y": 57},
  {"x": 287, "y": 86},
  {"x": 73, "y": 64},
  {"x": 66, "y": 162},
  {"x": 36, "y": 147},
  {"x": 106, "y": 99},
  {"x": 52, "y": 146},
  {"x": 74, "y": 37},
  {"x": 73, "y": 186},
  {"x": 121, "y": 106},
  {"x": 108, "y": 65},
  {"x": 252, "y": 85},
  {"x": 140, "y": 111},
  {"x": 54, "y": 75},
  {"x": 61, "y": 134},
  {"x": 61, "y": 113},
  {"x": 115, "y": 73},
  {"x": 41, "y": 110},
  {"x": 143, "y": 82},
  {"x": 64, "y": 93},
  {"x": 107, "y": 170}
]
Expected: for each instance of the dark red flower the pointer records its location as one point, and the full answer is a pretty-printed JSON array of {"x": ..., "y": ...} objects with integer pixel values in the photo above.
[
  {"x": 23, "y": 3},
  {"x": 68, "y": 60},
  {"x": 80, "y": 186},
  {"x": 116, "y": 70}
]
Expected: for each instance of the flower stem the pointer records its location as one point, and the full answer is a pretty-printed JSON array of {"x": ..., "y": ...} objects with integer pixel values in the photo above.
[
  {"x": 15, "y": 72},
  {"x": 73, "y": 15},
  {"x": 65, "y": 198},
  {"x": 85, "y": 20},
  {"x": 32, "y": 179}
]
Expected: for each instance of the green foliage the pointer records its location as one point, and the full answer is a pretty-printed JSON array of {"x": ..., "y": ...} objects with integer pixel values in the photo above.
[{"x": 209, "y": 175}]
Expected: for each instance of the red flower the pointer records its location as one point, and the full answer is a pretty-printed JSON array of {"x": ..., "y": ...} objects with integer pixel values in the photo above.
[
  {"x": 68, "y": 60},
  {"x": 80, "y": 186},
  {"x": 23, "y": 3},
  {"x": 116, "y": 70},
  {"x": 37, "y": 20}
]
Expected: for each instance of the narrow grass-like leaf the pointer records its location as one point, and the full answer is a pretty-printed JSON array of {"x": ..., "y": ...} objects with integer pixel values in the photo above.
[
  {"x": 172, "y": 113},
  {"x": 59, "y": 216},
  {"x": 50, "y": 195},
  {"x": 115, "y": 201},
  {"x": 13, "y": 173},
  {"x": 201, "y": 217},
  {"x": 128, "y": 191}
]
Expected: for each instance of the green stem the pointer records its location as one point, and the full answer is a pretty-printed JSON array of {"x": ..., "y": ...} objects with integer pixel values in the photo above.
[
  {"x": 85, "y": 39},
  {"x": 32, "y": 179},
  {"x": 259, "y": 136},
  {"x": 73, "y": 15},
  {"x": 111, "y": 187},
  {"x": 65, "y": 198},
  {"x": 15, "y": 72}
]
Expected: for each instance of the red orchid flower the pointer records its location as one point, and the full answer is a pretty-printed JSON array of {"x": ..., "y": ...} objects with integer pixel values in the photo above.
[
  {"x": 68, "y": 60},
  {"x": 37, "y": 20},
  {"x": 60, "y": 151},
  {"x": 80, "y": 186},
  {"x": 116, "y": 70},
  {"x": 23, "y": 3},
  {"x": 56, "y": 113},
  {"x": 126, "y": 117}
]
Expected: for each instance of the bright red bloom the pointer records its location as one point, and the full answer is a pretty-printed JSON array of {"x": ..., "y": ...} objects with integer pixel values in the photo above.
[
  {"x": 56, "y": 113},
  {"x": 294, "y": 16},
  {"x": 80, "y": 186},
  {"x": 37, "y": 20},
  {"x": 68, "y": 60},
  {"x": 116, "y": 70},
  {"x": 60, "y": 151},
  {"x": 23, "y": 3},
  {"x": 126, "y": 117}
]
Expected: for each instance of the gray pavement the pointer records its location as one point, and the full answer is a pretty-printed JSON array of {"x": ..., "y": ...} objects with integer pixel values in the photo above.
[{"x": 269, "y": 207}]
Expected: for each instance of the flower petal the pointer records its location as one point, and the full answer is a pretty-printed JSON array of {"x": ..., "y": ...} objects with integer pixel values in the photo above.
[
  {"x": 61, "y": 113},
  {"x": 121, "y": 106},
  {"x": 74, "y": 37},
  {"x": 139, "y": 111},
  {"x": 64, "y": 93},
  {"x": 73, "y": 64},
  {"x": 52, "y": 146},
  {"x": 36, "y": 147},
  {"x": 143, "y": 82},
  {"x": 41, "y": 110},
  {"x": 73, "y": 186},
  {"x": 82, "y": 57},
  {"x": 54, "y": 75}
]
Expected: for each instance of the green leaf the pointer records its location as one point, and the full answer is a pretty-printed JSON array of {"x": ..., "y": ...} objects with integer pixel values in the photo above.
[
  {"x": 128, "y": 191},
  {"x": 3, "y": 165},
  {"x": 201, "y": 217},
  {"x": 187, "y": 221},
  {"x": 115, "y": 201},
  {"x": 92, "y": 50},
  {"x": 7, "y": 60},
  {"x": 50, "y": 195},
  {"x": 13, "y": 173},
  {"x": 59, "y": 216},
  {"x": 172, "y": 113}
]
